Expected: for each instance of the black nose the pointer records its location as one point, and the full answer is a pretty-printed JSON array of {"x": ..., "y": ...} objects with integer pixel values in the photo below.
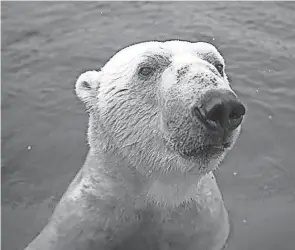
[{"x": 220, "y": 110}]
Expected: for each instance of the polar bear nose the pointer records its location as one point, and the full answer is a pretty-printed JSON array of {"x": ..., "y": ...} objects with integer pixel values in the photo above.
[{"x": 220, "y": 111}]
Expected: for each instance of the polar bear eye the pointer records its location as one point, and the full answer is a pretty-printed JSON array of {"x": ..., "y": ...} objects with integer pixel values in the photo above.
[
  {"x": 219, "y": 67},
  {"x": 145, "y": 71}
]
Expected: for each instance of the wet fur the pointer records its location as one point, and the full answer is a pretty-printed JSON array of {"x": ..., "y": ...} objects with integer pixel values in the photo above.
[{"x": 147, "y": 182}]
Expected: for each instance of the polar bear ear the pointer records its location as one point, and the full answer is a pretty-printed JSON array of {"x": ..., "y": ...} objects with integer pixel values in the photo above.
[{"x": 87, "y": 85}]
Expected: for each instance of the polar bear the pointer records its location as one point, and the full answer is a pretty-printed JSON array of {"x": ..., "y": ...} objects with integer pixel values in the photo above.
[{"x": 162, "y": 116}]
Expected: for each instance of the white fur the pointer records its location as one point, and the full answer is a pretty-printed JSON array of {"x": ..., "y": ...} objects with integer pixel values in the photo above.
[{"x": 141, "y": 160}]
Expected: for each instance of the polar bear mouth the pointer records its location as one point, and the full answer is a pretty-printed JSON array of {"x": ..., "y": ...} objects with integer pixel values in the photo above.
[
  {"x": 193, "y": 149},
  {"x": 212, "y": 148},
  {"x": 204, "y": 152}
]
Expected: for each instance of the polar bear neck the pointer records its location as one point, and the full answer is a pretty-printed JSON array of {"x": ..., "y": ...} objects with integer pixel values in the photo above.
[
  {"x": 170, "y": 189},
  {"x": 181, "y": 189}
]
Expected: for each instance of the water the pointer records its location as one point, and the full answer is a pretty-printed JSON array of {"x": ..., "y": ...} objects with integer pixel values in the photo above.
[{"x": 45, "y": 46}]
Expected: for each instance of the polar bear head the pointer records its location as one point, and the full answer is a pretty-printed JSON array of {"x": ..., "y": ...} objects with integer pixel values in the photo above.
[{"x": 163, "y": 106}]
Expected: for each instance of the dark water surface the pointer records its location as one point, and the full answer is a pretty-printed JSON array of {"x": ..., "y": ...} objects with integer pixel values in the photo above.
[{"x": 45, "y": 46}]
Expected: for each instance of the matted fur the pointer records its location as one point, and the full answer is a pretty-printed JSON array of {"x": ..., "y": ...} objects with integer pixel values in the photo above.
[{"x": 147, "y": 182}]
